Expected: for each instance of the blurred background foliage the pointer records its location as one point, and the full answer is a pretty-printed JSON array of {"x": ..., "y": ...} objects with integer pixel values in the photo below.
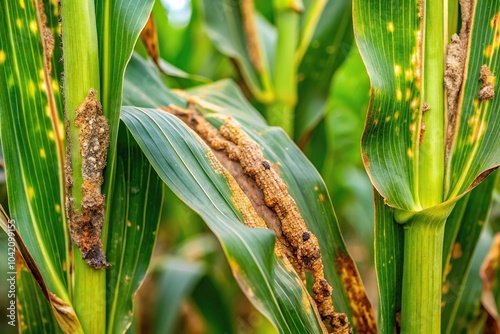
[{"x": 190, "y": 288}]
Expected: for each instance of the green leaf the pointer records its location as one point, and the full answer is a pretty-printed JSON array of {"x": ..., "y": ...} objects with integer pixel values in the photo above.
[
  {"x": 183, "y": 162},
  {"x": 388, "y": 264},
  {"x": 35, "y": 313},
  {"x": 309, "y": 191},
  {"x": 144, "y": 87},
  {"x": 176, "y": 282},
  {"x": 475, "y": 143},
  {"x": 119, "y": 23},
  {"x": 136, "y": 206},
  {"x": 470, "y": 316},
  {"x": 471, "y": 220},
  {"x": 224, "y": 26},
  {"x": 329, "y": 46},
  {"x": 32, "y": 134},
  {"x": 386, "y": 40}
]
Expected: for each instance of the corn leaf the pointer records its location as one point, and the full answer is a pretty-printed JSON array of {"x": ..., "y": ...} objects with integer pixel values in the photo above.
[
  {"x": 183, "y": 162},
  {"x": 136, "y": 210},
  {"x": 119, "y": 24},
  {"x": 176, "y": 282},
  {"x": 32, "y": 134},
  {"x": 471, "y": 220},
  {"x": 226, "y": 28},
  {"x": 35, "y": 313},
  {"x": 393, "y": 135},
  {"x": 388, "y": 264},
  {"x": 329, "y": 46}
]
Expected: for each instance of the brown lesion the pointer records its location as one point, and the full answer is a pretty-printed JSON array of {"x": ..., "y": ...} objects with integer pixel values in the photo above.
[
  {"x": 487, "y": 90},
  {"x": 269, "y": 195},
  {"x": 456, "y": 57},
  {"x": 85, "y": 223}
]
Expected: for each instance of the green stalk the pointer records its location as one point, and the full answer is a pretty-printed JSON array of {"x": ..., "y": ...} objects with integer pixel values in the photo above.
[
  {"x": 281, "y": 111},
  {"x": 421, "y": 295},
  {"x": 81, "y": 74},
  {"x": 431, "y": 152},
  {"x": 311, "y": 21}
]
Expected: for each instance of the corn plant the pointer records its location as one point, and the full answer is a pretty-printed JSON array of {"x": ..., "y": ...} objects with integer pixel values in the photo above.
[
  {"x": 92, "y": 131},
  {"x": 431, "y": 135}
]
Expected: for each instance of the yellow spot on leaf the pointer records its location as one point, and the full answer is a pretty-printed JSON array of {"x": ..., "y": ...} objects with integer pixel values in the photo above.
[
  {"x": 321, "y": 197},
  {"x": 390, "y": 27},
  {"x": 42, "y": 153},
  {"x": 33, "y": 27},
  {"x": 375, "y": 121},
  {"x": 58, "y": 208},
  {"x": 399, "y": 94},
  {"x": 414, "y": 103},
  {"x": 413, "y": 127},
  {"x": 397, "y": 70},
  {"x": 128, "y": 223},
  {"x": 488, "y": 51},
  {"x": 2, "y": 56},
  {"x": 410, "y": 153},
  {"x": 51, "y": 135},
  {"x": 21, "y": 3},
  {"x": 60, "y": 128},
  {"x": 407, "y": 94},
  {"x": 316, "y": 188},
  {"x": 19, "y": 23},
  {"x": 396, "y": 115},
  {"x": 55, "y": 85},
  {"x": 42, "y": 86},
  {"x": 64, "y": 266},
  {"x": 409, "y": 75},
  {"x": 138, "y": 227},
  {"x": 31, "y": 193},
  {"x": 387, "y": 119},
  {"x": 31, "y": 87}
]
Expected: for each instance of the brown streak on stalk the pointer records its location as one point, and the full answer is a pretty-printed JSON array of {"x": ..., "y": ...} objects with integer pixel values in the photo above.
[
  {"x": 85, "y": 223},
  {"x": 456, "y": 57},
  {"x": 252, "y": 37},
  {"x": 300, "y": 245}
]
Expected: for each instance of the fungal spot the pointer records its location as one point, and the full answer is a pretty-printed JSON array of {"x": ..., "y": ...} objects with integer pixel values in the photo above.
[
  {"x": 42, "y": 153},
  {"x": 58, "y": 208},
  {"x": 390, "y": 27},
  {"x": 488, "y": 51},
  {"x": 31, "y": 88},
  {"x": 487, "y": 90},
  {"x": 21, "y": 3},
  {"x": 399, "y": 94},
  {"x": 51, "y": 135},
  {"x": 2, "y": 56},
  {"x": 457, "y": 250},
  {"x": 397, "y": 70},
  {"x": 409, "y": 152},
  {"x": 129, "y": 223},
  {"x": 321, "y": 197},
  {"x": 138, "y": 227},
  {"x": 387, "y": 119},
  {"x": 396, "y": 115},
  {"x": 19, "y": 23},
  {"x": 31, "y": 193},
  {"x": 85, "y": 223},
  {"x": 33, "y": 27}
]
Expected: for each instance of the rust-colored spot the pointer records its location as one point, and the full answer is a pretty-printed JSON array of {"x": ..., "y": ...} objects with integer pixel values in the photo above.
[
  {"x": 150, "y": 39},
  {"x": 85, "y": 223},
  {"x": 364, "y": 318},
  {"x": 457, "y": 250}
]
